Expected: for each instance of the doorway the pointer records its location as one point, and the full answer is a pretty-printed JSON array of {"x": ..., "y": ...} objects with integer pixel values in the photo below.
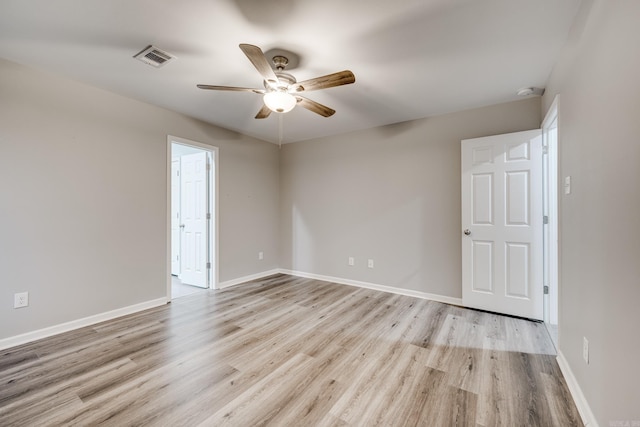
[
  {"x": 192, "y": 217},
  {"x": 550, "y": 230}
]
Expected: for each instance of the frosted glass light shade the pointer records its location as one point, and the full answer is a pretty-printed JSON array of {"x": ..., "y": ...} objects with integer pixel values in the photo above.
[{"x": 280, "y": 102}]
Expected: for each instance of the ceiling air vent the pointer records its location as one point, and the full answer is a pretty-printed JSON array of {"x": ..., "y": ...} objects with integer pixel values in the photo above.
[{"x": 153, "y": 56}]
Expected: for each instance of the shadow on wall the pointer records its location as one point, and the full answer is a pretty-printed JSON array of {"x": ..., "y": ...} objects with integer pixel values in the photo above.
[{"x": 396, "y": 129}]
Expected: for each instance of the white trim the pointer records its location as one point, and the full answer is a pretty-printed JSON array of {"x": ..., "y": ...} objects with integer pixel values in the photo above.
[
  {"x": 239, "y": 280},
  {"x": 79, "y": 323},
  {"x": 580, "y": 400},
  {"x": 167, "y": 227},
  {"x": 552, "y": 112},
  {"x": 341, "y": 281},
  {"x": 551, "y": 245},
  {"x": 376, "y": 287}
]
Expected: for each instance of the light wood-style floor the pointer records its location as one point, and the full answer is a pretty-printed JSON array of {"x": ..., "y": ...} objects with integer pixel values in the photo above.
[
  {"x": 179, "y": 289},
  {"x": 287, "y": 351}
]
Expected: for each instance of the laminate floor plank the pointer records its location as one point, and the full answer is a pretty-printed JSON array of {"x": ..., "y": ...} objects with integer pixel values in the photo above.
[
  {"x": 290, "y": 351},
  {"x": 263, "y": 400},
  {"x": 326, "y": 295},
  {"x": 429, "y": 324},
  {"x": 370, "y": 398},
  {"x": 46, "y": 408},
  {"x": 144, "y": 399},
  {"x": 59, "y": 395},
  {"x": 17, "y": 385},
  {"x": 395, "y": 402},
  {"x": 425, "y": 405}
]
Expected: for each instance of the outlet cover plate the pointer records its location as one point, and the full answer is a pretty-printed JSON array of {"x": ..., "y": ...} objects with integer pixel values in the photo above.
[{"x": 21, "y": 299}]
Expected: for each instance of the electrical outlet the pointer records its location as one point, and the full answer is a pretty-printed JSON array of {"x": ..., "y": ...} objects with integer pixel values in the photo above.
[
  {"x": 260, "y": 255},
  {"x": 352, "y": 261},
  {"x": 21, "y": 299},
  {"x": 370, "y": 263},
  {"x": 585, "y": 350}
]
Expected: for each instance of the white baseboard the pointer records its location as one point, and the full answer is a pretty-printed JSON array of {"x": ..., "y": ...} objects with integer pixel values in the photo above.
[
  {"x": 79, "y": 323},
  {"x": 376, "y": 287},
  {"x": 248, "y": 278},
  {"x": 588, "y": 418}
]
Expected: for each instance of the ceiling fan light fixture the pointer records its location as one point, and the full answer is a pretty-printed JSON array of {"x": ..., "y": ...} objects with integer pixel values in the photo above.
[
  {"x": 281, "y": 89},
  {"x": 279, "y": 101}
]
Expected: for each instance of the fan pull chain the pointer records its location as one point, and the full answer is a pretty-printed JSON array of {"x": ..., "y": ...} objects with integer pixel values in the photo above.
[{"x": 280, "y": 126}]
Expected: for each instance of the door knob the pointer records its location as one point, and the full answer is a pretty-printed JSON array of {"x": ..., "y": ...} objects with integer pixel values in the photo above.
[
  {"x": 467, "y": 232},
  {"x": 181, "y": 225}
]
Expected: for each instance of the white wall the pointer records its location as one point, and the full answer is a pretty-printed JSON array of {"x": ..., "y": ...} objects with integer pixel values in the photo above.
[
  {"x": 391, "y": 194},
  {"x": 83, "y": 199},
  {"x": 599, "y": 141}
]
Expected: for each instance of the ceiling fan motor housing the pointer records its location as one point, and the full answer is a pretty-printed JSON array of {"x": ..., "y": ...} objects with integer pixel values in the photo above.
[{"x": 280, "y": 62}]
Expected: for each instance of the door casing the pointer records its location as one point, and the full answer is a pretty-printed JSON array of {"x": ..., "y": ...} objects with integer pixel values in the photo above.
[
  {"x": 552, "y": 236},
  {"x": 175, "y": 217}
]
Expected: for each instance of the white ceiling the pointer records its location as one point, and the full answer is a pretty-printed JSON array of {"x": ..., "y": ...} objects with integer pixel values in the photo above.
[{"x": 412, "y": 58}]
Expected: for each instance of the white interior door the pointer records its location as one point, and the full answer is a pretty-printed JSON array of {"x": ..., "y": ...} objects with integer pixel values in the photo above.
[
  {"x": 194, "y": 207},
  {"x": 175, "y": 217},
  {"x": 502, "y": 224}
]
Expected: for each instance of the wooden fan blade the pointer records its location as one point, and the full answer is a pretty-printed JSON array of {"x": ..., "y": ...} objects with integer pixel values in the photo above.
[
  {"x": 257, "y": 58},
  {"x": 330, "y": 80},
  {"x": 315, "y": 107},
  {"x": 231, "y": 88},
  {"x": 263, "y": 113}
]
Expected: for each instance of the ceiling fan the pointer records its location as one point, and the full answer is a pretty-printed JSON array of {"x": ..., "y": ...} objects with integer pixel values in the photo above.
[{"x": 281, "y": 90}]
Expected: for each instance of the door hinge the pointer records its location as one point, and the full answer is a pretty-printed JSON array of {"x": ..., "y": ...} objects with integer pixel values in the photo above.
[
  {"x": 208, "y": 216},
  {"x": 546, "y": 290},
  {"x": 208, "y": 265},
  {"x": 545, "y": 219},
  {"x": 208, "y": 166},
  {"x": 545, "y": 149}
]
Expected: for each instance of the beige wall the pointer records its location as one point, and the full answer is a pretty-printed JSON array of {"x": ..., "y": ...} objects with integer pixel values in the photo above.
[
  {"x": 599, "y": 141},
  {"x": 83, "y": 199},
  {"x": 391, "y": 194}
]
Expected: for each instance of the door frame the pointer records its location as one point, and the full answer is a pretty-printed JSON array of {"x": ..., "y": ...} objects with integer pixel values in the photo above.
[
  {"x": 171, "y": 241},
  {"x": 552, "y": 210},
  {"x": 213, "y": 208}
]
